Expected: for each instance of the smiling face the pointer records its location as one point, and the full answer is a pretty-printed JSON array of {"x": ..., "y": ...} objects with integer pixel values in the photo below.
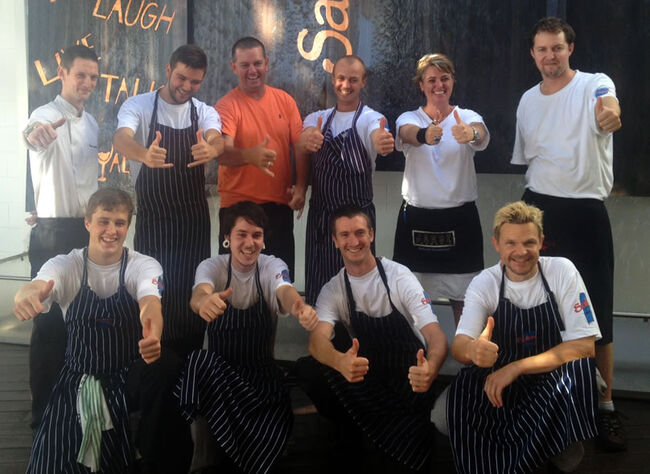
[
  {"x": 519, "y": 246},
  {"x": 79, "y": 81},
  {"x": 352, "y": 236},
  {"x": 551, "y": 53},
  {"x": 250, "y": 66},
  {"x": 246, "y": 243},
  {"x": 348, "y": 79},
  {"x": 437, "y": 86},
  {"x": 107, "y": 231},
  {"x": 183, "y": 83}
]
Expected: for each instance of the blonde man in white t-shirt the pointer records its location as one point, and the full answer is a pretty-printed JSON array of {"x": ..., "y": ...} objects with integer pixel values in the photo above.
[{"x": 564, "y": 135}]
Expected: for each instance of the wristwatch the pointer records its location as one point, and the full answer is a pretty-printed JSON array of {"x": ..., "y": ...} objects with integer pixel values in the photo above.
[
  {"x": 30, "y": 128},
  {"x": 477, "y": 136}
]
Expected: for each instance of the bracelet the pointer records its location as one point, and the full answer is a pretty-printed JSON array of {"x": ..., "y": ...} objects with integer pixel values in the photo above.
[
  {"x": 421, "y": 136},
  {"x": 476, "y": 138}
]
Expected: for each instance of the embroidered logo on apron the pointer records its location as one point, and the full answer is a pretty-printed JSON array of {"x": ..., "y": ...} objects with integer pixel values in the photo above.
[{"x": 440, "y": 240}]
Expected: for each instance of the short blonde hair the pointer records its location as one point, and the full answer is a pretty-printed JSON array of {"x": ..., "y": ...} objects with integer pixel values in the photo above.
[
  {"x": 517, "y": 213},
  {"x": 438, "y": 60}
]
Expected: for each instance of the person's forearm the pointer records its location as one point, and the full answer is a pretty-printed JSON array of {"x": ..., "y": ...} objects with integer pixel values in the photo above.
[
  {"x": 151, "y": 308},
  {"x": 437, "y": 351},
  {"x": 555, "y": 357},
  {"x": 233, "y": 156},
  {"x": 199, "y": 294},
  {"x": 409, "y": 133},
  {"x": 287, "y": 296},
  {"x": 460, "y": 348},
  {"x": 128, "y": 147},
  {"x": 321, "y": 348},
  {"x": 302, "y": 167}
]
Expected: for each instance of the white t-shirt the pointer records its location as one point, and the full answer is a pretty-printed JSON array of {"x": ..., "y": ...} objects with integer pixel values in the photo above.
[
  {"x": 482, "y": 298},
  {"x": 367, "y": 123},
  {"x": 64, "y": 173},
  {"x": 371, "y": 298},
  {"x": 143, "y": 277},
  {"x": 273, "y": 274},
  {"x": 559, "y": 139},
  {"x": 439, "y": 176},
  {"x": 136, "y": 111}
]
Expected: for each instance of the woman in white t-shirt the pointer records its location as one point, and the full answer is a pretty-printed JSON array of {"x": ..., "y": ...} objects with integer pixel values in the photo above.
[
  {"x": 438, "y": 233},
  {"x": 235, "y": 385}
]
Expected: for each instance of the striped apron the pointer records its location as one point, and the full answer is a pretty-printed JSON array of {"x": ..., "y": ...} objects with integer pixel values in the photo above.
[
  {"x": 542, "y": 413},
  {"x": 342, "y": 174},
  {"x": 237, "y": 387},
  {"x": 395, "y": 419},
  {"x": 173, "y": 224},
  {"x": 102, "y": 340}
]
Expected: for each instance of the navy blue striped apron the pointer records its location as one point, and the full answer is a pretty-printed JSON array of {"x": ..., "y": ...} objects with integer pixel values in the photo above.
[
  {"x": 237, "y": 387},
  {"x": 542, "y": 413},
  {"x": 395, "y": 419},
  {"x": 102, "y": 340},
  {"x": 342, "y": 174},
  {"x": 173, "y": 223}
]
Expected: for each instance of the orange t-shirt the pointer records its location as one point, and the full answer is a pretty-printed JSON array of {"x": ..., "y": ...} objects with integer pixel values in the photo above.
[{"x": 249, "y": 121}]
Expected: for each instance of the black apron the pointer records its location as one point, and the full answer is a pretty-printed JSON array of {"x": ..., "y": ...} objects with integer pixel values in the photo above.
[
  {"x": 237, "y": 387},
  {"x": 102, "y": 340},
  {"x": 395, "y": 419},
  {"x": 173, "y": 223},
  {"x": 439, "y": 240},
  {"x": 542, "y": 413},
  {"x": 342, "y": 174}
]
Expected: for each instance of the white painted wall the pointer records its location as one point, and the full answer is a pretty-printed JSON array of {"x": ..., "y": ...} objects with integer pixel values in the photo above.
[{"x": 13, "y": 104}]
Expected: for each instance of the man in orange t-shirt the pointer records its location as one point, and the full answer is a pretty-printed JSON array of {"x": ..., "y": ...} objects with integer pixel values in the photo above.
[{"x": 260, "y": 124}]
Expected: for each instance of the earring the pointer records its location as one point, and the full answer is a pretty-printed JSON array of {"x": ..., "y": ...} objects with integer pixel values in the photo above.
[
  {"x": 225, "y": 243},
  {"x": 263, "y": 246}
]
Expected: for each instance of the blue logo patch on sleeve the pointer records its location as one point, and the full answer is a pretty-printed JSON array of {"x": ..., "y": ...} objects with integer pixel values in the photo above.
[
  {"x": 158, "y": 281},
  {"x": 285, "y": 276},
  {"x": 602, "y": 91},
  {"x": 584, "y": 302}
]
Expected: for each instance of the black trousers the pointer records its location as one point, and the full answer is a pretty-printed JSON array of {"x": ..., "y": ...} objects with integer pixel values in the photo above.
[
  {"x": 49, "y": 238},
  {"x": 278, "y": 237},
  {"x": 163, "y": 436}
]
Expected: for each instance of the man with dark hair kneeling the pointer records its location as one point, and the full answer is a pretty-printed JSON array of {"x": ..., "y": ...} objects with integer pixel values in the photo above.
[{"x": 378, "y": 387}]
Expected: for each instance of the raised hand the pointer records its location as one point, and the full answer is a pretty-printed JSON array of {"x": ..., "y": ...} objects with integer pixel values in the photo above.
[
  {"x": 156, "y": 155},
  {"x": 316, "y": 138},
  {"x": 382, "y": 139},
  {"x": 28, "y": 303},
  {"x": 262, "y": 157},
  {"x": 483, "y": 351},
  {"x": 305, "y": 313},
  {"x": 352, "y": 367},
  {"x": 44, "y": 133},
  {"x": 421, "y": 376},
  {"x": 149, "y": 344},
  {"x": 462, "y": 132},
  {"x": 433, "y": 134},
  {"x": 202, "y": 151},
  {"x": 214, "y": 305},
  {"x": 607, "y": 118}
]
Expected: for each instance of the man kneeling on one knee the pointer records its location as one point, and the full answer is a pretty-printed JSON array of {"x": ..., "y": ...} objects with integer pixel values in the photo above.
[{"x": 528, "y": 332}]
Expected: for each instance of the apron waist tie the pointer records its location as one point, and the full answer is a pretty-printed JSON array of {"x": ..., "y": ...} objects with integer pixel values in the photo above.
[{"x": 95, "y": 418}]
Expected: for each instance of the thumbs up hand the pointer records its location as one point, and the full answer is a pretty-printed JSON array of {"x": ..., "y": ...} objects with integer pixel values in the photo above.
[
  {"x": 421, "y": 376},
  {"x": 28, "y": 302},
  {"x": 306, "y": 314},
  {"x": 42, "y": 134},
  {"x": 433, "y": 134},
  {"x": 155, "y": 155},
  {"x": 150, "y": 343},
  {"x": 607, "y": 117},
  {"x": 316, "y": 138},
  {"x": 352, "y": 367},
  {"x": 214, "y": 305},
  {"x": 262, "y": 157},
  {"x": 483, "y": 351},
  {"x": 462, "y": 132},
  {"x": 382, "y": 139},
  {"x": 204, "y": 151}
]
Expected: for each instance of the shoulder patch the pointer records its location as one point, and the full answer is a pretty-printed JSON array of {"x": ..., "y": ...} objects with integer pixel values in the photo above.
[{"x": 602, "y": 91}]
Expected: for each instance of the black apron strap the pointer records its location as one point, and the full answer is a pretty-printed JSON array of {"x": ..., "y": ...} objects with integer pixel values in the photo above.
[{"x": 154, "y": 120}]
